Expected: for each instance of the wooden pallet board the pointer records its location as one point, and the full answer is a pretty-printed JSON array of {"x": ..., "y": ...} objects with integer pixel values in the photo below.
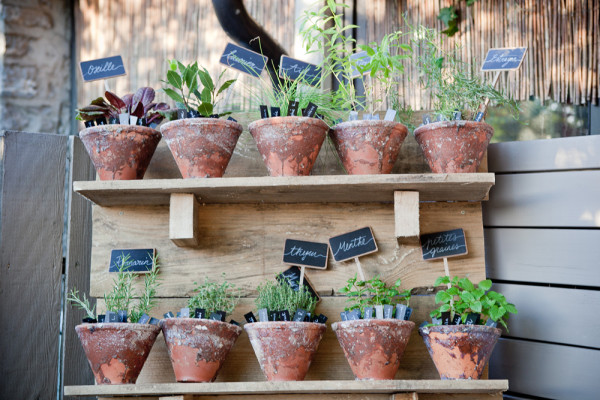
[
  {"x": 246, "y": 241},
  {"x": 298, "y": 189}
]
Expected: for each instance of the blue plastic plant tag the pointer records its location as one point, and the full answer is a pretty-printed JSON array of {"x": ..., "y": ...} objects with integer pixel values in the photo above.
[
  {"x": 353, "y": 116},
  {"x": 479, "y": 117},
  {"x": 426, "y": 119},
  {"x": 168, "y": 315},
  {"x": 275, "y": 112},
  {"x": 375, "y": 117},
  {"x": 491, "y": 323},
  {"x": 400, "y": 311},
  {"x": 388, "y": 311},
  {"x": 408, "y": 313},
  {"x": 423, "y": 324},
  {"x": 216, "y": 316},
  {"x": 264, "y": 112},
  {"x": 144, "y": 319},
  {"x": 250, "y": 318},
  {"x": 354, "y": 314},
  {"x": 344, "y": 315},
  {"x": 457, "y": 115},
  {"x": 368, "y": 313},
  {"x": 263, "y": 315},
  {"x": 436, "y": 321},
  {"x": 112, "y": 316},
  {"x": 390, "y": 115},
  {"x": 379, "y": 312},
  {"x": 184, "y": 312},
  {"x": 199, "y": 313},
  {"x": 178, "y": 315},
  {"x": 299, "y": 315},
  {"x": 366, "y": 117},
  {"x": 154, "y": 321}
]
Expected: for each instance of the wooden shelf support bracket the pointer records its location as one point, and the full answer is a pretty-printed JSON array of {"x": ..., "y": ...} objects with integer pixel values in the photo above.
[
  {"x": 183, "y": 219},
  {"x": 406, "y": 214}
]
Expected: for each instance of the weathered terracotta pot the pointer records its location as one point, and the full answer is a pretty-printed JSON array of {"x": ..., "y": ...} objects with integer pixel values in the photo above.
[
  {"x": 289, "y": 145},
  {"x": 373, "y": 347},
  {"x": 460, "y": 351},
  {"x": 198, "y": 347},
  {"x": 368, "y": 146},
  {"x": 202, "y": 147},
  {"x": 120, "y": 152},
  {"x": 116, "y": 351},
  {"x": 454, "y": 146},
  {"x": 285, "y": 349}
]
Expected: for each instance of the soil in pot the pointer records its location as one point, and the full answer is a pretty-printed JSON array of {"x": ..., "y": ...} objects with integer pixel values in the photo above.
[
  {"x": 120, "y": 152},
  {"x": 374, "y": 347},
  {"x": 289, "y": 145},
  {"x": 117, "y": 351},
  {"x": 460, "y": 351},
  {"x": 454, "y": 146},
  {"x": 368, "y": 146},
  {"x": 202, "y": 147},
  {"x": 198, "y": 347},
  {"x": 285, "y": 349}
]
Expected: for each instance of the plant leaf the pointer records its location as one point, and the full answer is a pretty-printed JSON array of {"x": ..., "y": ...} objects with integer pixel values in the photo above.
[
  {"x": 114, "y": 100},
  {"x": 173, "y": 95},
  {"x": 485, "y": 285},
  {"x": 205, "y": 109},
  {"x": 225, "y": 86},
  {"x": 145, "y": 95},
  {"x": 174, "y": 79},
  {"x": 206, "y": 79}
]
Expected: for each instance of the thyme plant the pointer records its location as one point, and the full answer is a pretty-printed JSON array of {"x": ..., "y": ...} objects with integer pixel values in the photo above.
[
  {"x": 277, "y": 296},
  {"x": 212, "y": 296},
  {"x": 362, "y": 294}
]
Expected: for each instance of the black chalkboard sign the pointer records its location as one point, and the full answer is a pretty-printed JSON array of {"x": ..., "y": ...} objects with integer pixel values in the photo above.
[
  {"x": 361, "y": 58},
  {"x": 140, "y": 260},
  {"x": 443, "y": 244},
  {"x": 102, "y": 68},
  {"x": 292, "y": 277},
  {"x": 504, "y": 59},
  {"x": 293, "y": 69},
  {"x": 353, "y": 244},
  {"x": 244, "y": 60},
  {"x": 308, "y": 254}
]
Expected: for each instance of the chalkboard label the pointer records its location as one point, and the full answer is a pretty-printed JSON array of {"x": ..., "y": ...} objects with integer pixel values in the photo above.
[
  {"x": 353, "y": 244},
  {"x": 293, "y": 69},
  {"x": 244, "y": 60},
  {"x": 504, "y": 59},
  {"x": 361, "y": 58},
  {"x": 140, "y": 260},
  {"x": 292, "y": 277},
  {"x": 308, "y": 254},
  {"x": 443, "y": 244},
  {"x": 102, "y": 68}
]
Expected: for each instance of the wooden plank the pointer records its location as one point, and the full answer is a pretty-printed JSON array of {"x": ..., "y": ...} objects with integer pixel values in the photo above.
[
  {"x": 183, "y": 219},
  {"x": 321, "y": 189},
  {"x": 406, "y": 214},
  {"x": 245, "y": 241},
  {"x": 581, "y": 152},
  {"x": 560, "y": 256},
  {"x": 462, "y": 396},
  {"x": 553, "y": 314},
  {"x": 330, "y": 396},
  {"x": 75, "y": 366},
  {"x": 317, "y": 387},
  {"x": 32, "y": 192},
  {"x": 533, "y": 200},
  {"x": 547, "y": 370}
]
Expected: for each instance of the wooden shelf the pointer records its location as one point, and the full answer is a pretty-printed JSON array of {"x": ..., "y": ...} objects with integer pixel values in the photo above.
[
  {"x": 307, "y": 189},
  {"x": 304, "y": 387}
]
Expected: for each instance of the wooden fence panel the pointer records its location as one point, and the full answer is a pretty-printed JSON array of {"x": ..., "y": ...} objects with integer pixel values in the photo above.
[{"x": 31, "y": 263}]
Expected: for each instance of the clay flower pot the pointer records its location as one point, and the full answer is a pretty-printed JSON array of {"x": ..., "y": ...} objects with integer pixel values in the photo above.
[
  {"x": 120, "y": 152},
  {"x": 460, "y": 351},
  {"x": 367, "y": 146},
  {"x": 373, "y": 347},
  {"x": 116, "y": 351},
  {"x": 285, "y": 349},
  {"x": 289, "y": 145},
  {"x": 454, "y": 146},
  {"x": 198, "y": 347},
  {"x": 202, "y": 147}
]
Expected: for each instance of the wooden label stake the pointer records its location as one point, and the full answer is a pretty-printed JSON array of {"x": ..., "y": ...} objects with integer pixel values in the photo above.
[{"x": 361, "y": 274}]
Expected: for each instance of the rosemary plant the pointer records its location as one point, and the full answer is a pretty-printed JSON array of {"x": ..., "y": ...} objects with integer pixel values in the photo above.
[
  {"x": 82, "y": 303},
  {"x": 215, "y": 297},
  {"x": 277, "y": 296}
]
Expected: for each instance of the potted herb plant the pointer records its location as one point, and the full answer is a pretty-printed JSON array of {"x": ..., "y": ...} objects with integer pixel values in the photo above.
[
  {"x": 201, "y": 142},
  {"x": 290, "y": 143},
  {"x": 199, "y": 340},
  {"x": 368, "y": 146},
  {"x": 375, "y": 329},
  {"x": 464, "y": 333},
  {"x": 457, "y": 142},
  {"x": 285, "y": 340},
  {"x": 117, "y": 349},
  {"x": 121, "y": 151}
]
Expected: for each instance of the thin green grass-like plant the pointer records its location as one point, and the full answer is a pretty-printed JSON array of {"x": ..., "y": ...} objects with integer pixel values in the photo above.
[
  {"x": 82, "y": 303},
  {"x": 278, "y": 296},
  {"x": 213, "y": 296}
]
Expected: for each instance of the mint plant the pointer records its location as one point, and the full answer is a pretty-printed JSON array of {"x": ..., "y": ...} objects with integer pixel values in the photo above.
[
  {"x": 463, "y": 298},
  {"x": 278, "y": 296},
  {"x": 213, "y": 296},
  {"x": 362, "y": 294}
]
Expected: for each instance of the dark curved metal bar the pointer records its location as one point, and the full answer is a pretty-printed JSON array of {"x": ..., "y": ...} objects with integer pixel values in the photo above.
[{"x": 238, "y": 24}]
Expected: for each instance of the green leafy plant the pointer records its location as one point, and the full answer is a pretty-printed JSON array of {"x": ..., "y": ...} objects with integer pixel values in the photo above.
[
  {"x": 278, "y": 296},
  {"x": 324, "y": 31},
  {"x": 463, "y": 298},
  {"x": 82, "y": 303},
  {"x": 362, "y": 294},
  {"x": 212, "y": 296},
  {"x": 453, "y": 83},
  {"x": 192, "y": 87},
  {"x": 450, "y": 17}
]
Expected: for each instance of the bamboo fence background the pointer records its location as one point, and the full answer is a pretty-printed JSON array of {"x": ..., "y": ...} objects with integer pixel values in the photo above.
[{"x": 563, "y": 38}]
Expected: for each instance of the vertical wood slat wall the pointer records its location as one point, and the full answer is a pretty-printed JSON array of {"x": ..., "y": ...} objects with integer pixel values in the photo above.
[{"x": 562, "y": 37}]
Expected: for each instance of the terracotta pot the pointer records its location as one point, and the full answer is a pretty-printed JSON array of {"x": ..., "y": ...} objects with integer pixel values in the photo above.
[
  {"x": 116, "y": 351},
  {"x": 373, "y": 347},
  {"x": 202, "y": 147},
  {"x": 120, "y": 152},
  {"x": 285, "y": 349},
  {"x": 198, "y": 347},
  {"x": 460, "y": 351},
  {"x": 454, "y": 146},
  {"x": 289, "y": 145},
  {"x": 367, "y": 146}
]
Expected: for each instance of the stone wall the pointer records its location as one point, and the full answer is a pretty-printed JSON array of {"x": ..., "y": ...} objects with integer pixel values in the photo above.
[{"x": 35, "y": 66}]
